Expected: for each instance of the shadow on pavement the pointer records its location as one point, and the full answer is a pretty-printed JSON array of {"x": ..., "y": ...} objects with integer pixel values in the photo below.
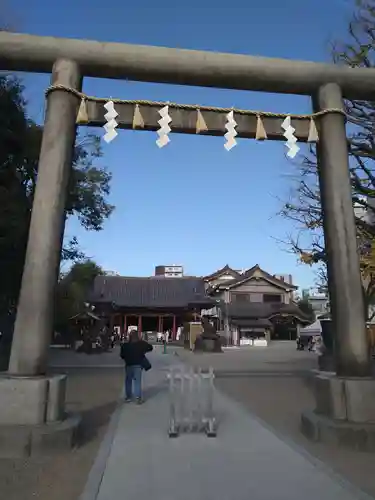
[
  {"x": 94, "y": 419},
  {"x": 152, "y": 392}
]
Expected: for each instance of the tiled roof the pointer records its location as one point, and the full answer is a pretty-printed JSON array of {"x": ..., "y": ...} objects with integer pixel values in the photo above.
[
  {"x": 247, "y": 275},
  {"x": 251, "y": 322},
  {"x": 85, "y": 315},
  {"x": 223, "y": 270},
  {"x": 257, "y": 310},
  {"x": 153, "y": 292}
]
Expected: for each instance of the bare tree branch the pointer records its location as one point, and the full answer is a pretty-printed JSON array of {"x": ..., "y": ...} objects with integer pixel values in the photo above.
[{"x": 303, "y": 207}]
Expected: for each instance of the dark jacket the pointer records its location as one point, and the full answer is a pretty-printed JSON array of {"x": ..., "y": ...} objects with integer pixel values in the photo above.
[{"x": 133, "y": 352}]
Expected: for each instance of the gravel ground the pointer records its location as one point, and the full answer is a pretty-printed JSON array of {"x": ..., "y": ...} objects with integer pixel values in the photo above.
[
  {"x": 275, "y": 385},
  {"x": 93, "y": 393}
]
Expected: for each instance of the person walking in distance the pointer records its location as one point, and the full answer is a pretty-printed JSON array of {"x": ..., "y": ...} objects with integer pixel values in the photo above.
[{"x": 133, "y": 353}]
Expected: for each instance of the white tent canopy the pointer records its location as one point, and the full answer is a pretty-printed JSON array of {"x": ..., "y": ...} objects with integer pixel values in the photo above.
[{"x": 311, "y": 330}]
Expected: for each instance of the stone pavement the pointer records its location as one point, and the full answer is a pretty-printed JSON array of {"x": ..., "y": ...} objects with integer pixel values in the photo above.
[{"x": 138, "y": 460}]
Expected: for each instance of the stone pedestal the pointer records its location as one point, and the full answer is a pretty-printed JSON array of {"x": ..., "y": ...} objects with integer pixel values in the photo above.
[
  {"x": 207, "y": 345},
  {"x": 344, "y": 414},
  {"x": 212, "y": 345},
  {"x": 32, "y": 416}
]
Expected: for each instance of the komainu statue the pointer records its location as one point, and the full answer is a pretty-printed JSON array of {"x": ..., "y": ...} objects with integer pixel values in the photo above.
[{"x": 209, "y": 340}]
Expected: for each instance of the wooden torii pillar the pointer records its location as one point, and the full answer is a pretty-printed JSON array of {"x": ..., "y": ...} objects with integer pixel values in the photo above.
[{"x": 34, "y": 321}]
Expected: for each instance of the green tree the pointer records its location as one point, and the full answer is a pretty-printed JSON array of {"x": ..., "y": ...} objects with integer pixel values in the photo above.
[
  {"x": 72, "y": 293},
  {"x": 304, "y": 207},
  {"x": 89, "y": 187}
]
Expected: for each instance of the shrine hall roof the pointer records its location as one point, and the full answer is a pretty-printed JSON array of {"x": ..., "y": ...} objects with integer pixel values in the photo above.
[
  {"x": 258, "y": 310},
  {"x": 152, "y": 292}
]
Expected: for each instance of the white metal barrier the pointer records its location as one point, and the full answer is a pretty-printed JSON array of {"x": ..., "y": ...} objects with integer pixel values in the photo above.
[{"x": 191, "y": 394}]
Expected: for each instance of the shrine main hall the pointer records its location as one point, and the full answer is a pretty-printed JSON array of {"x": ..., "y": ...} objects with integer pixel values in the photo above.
[
  {"x": 248, "y": 301},
  {"x": 152, "y": 304}
]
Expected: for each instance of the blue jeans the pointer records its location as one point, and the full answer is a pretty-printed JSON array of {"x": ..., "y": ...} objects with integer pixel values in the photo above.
[{"x": 133, "y": 374}]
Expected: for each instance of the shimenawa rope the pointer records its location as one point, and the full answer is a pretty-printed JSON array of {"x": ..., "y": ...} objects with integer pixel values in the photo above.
[{"x": 194, "y": 107}]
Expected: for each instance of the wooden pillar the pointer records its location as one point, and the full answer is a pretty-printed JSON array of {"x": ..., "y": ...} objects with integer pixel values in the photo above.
[
  {"x": 125, "y": 324},
  {"x": 34, "y": 322},
  {"x": 140, "y": 326},
  {"x": 160, "y": 324},
  {"x": 174, "y": 328},
  {"x": 344, "y": 278}
]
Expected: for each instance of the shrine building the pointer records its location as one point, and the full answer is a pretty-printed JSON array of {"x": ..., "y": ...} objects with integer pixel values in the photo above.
[
  {"x": 253, "y": 302},
  {"x": 241, "y": 304},
  {"x": 154, "y": 304}
]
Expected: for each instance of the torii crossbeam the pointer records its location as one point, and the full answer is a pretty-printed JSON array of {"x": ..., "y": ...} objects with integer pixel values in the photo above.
[{"x": 122, "y": 61}]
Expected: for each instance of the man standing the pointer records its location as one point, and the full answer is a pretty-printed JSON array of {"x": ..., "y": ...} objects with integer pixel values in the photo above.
[{"x": 134, "y": 355}]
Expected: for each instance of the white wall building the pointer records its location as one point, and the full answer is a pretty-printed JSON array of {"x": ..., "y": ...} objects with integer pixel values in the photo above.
[
  {"x": 319, "y": 303},
  {"x": 170, "y": 271}
]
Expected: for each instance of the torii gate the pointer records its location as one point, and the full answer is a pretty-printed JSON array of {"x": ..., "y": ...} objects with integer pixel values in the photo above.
[{"x": 71, "y": 60}]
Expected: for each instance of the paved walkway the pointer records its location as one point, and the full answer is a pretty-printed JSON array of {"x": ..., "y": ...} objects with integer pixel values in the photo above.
[{"x": 245, "y": 462}]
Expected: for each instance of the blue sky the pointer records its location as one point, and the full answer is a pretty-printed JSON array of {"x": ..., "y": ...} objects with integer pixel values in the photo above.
[{"x": 192, "y": 202}]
